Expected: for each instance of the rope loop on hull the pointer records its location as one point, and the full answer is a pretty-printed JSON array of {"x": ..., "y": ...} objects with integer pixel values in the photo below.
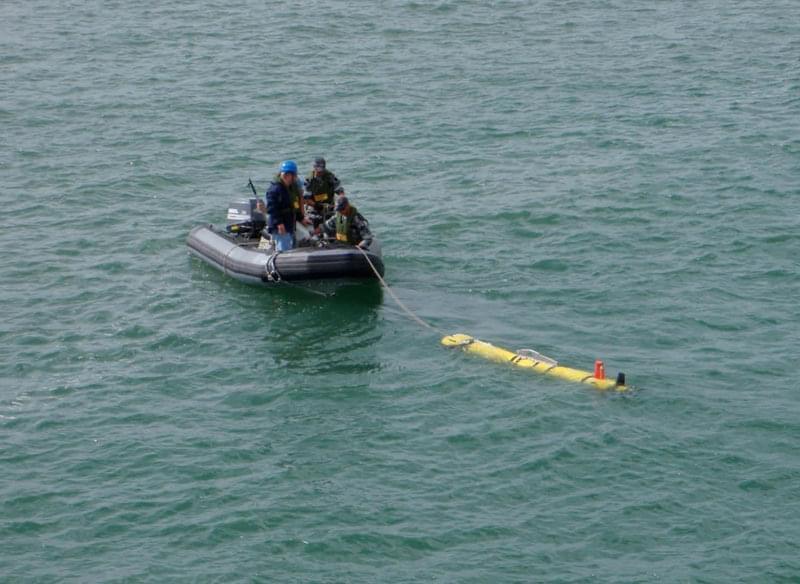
[{"x": 272, "y": 273}]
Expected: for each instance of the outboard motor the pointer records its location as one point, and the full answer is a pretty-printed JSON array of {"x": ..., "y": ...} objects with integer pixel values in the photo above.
[{"x": 245, "y": 219}]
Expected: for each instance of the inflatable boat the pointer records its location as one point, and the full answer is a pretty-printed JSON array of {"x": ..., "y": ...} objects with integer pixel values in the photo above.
[{"x": 242, "y": 249}]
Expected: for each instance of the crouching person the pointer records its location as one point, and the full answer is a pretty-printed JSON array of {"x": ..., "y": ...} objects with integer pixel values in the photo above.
[{"x": 348, "y": 225}]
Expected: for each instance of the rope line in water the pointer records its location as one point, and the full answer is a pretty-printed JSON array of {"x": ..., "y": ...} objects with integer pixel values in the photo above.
[{"x": 405, "y": 309}]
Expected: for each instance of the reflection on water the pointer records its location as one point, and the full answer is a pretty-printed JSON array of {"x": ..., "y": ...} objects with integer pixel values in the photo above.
[{"x": 326, "y": 334}]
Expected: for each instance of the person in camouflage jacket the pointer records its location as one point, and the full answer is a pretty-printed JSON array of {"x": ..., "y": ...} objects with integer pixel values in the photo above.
[
  {"x": 348, "y": 225},
  {"x": 321, "y": 184}
]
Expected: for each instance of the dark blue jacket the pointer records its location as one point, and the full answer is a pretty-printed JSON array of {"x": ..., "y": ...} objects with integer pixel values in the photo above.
[{"x": 279, "y": 207}]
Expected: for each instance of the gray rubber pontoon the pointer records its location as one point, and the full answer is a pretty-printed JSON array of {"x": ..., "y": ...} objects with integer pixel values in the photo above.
[{"x": 249, "y": 260}]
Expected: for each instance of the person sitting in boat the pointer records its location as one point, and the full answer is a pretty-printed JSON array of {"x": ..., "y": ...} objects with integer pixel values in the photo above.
[
  {"x": 284, "y": 207},
  {"x": 321, "y": 183},
  {"x": 311, "y": 211},
  {"x": 348, "y": 225}
]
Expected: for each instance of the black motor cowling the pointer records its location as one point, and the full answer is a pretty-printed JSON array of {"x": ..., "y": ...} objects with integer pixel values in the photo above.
[{"x": 245, "y": 219}]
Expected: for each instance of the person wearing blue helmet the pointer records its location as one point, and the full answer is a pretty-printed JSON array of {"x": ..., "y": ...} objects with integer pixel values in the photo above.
[{"x": 284, "y": 197}]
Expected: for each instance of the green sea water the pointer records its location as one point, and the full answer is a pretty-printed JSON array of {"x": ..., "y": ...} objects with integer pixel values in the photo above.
[{"x": 594, "y": 180}]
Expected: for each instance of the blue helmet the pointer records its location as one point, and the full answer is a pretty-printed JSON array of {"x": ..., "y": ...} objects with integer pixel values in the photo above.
[{"x": 289, "y": 166}]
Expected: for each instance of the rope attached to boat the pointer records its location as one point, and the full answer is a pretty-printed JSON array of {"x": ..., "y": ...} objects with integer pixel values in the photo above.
[
  {"x": 273, "y": 275},
  {"x": 405, "y": 309}
]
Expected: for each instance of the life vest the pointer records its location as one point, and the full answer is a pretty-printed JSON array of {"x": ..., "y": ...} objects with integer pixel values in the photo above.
[
  {"x": 321, "y": 187},
  {"x": 343, "y": 225}
]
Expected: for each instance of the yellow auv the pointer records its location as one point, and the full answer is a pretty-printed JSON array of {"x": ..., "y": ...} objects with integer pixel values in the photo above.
[{"x": 544, "y": 366}]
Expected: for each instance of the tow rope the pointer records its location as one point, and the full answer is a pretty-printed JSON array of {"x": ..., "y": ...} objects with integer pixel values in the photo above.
[{"x": 405, "y": 309}]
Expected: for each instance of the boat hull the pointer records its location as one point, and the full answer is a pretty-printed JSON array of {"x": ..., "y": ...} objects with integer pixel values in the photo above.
[{"x": 245, "y": 262}]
